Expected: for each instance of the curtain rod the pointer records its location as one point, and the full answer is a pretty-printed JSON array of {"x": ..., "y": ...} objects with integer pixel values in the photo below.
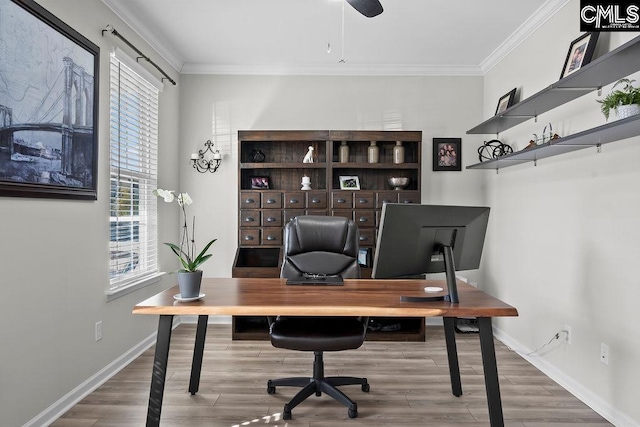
[{"x": 142, "y": 55}]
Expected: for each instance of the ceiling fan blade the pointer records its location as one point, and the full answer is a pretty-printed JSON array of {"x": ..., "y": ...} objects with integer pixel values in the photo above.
[{"x": 368, "y": 8}]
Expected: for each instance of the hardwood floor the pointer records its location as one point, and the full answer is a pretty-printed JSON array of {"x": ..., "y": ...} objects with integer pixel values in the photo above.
[{"x": 409, "y": 387}]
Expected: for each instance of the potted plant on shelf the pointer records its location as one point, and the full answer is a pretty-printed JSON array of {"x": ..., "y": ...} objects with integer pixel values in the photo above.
[
  {"x": 189, "y": 276},
  {"x": 625, "y": 101}
]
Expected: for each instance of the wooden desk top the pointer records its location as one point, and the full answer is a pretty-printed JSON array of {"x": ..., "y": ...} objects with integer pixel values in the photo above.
[{"x": 358, "y": 297}]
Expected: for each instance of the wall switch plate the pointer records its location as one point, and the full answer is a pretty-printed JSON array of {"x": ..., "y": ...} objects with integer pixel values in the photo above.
[{"x": 99, "y": 330}]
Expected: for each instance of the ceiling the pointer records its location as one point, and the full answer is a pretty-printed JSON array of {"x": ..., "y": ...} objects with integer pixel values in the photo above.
[{"x": 411, "y": 37}]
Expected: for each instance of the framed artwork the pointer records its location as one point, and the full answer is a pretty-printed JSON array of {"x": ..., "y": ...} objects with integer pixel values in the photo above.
[
  {"x": 349, "y": 183},
  {"x": 447, "y": 154},
  {"x": 506, "y": 101},
  {"x": 48, "y": 105},
  {"x": 260, "y": 183},
  {"x": 580, "y": 53}
]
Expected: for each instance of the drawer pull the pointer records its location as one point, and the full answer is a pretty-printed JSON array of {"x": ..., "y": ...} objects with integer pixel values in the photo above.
[
  {"x": 407, "y": 201},
  {"x": 271, "y": 219},
  {"x": 315, "y": 200},
  {"x": 249, "y": 201},
  {"x": 341, "y": 201},
  {"x": 271, "y": 201},
  {"x": 271, "y": 238},
  {"x": 363, "y": 219},
  {"x": 248, "y": 238},
  {"x": 363, "y": 238},
  {"x": 249, "y": 219},
  {"x": 292, "y": 201},
  {"x": 362, "y": 201}
]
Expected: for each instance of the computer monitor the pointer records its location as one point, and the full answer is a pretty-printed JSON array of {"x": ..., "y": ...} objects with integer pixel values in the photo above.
[{"x": 418, "y": 239}]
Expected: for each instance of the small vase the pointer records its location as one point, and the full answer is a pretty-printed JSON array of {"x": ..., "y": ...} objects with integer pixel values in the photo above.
[
  {"x": 398, "y": 153},
  {"x": 374, "y": 154},
  {"x": 189, "y": 283},
  {"x": 343, "y": 153}
]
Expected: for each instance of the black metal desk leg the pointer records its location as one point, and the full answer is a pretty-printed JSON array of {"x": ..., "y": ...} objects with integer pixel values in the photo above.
[
  {"x": 159, "y": 370},
  {"x": 490, "y": 372},
  {"x": 452, "y": 354},
  {"x": 198, "y": 350}
]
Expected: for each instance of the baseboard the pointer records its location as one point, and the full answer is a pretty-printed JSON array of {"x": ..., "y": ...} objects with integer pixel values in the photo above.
[
  {"x": 66, "y": 402},
  {"x": 588, "y": 397}
]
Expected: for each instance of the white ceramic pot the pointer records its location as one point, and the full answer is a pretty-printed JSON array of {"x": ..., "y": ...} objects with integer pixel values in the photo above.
[{"x": 624, "y": 111}]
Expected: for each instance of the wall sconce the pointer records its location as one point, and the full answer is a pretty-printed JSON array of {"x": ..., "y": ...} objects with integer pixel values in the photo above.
[{"x": 203, "y": 164}]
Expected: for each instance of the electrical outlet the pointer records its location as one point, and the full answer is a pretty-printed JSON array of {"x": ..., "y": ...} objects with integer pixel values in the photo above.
[
  {"x": 99, "y": 330},
  {"x": 604, "y": 353},
  {"x": 567, "y": 333}
]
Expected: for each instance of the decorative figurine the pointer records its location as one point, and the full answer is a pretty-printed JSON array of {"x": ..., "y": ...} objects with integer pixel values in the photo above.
[
  {"x": 308, "y": 158},
  {"x": 493, "y": 149},
  {"x": 306, "y": 183}
]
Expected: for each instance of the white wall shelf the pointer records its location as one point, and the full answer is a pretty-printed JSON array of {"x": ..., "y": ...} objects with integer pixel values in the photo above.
[
  {"x": 610, "y": 132},
  {"x": 604, "y": 70},
  {"x": 608, "y": 68}
]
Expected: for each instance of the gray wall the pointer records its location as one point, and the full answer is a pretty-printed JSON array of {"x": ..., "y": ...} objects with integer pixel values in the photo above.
[
  {"x": 216, "y": 107},
  {"x": 54, "y": 260},
  {"x": 564, "y": 236}
]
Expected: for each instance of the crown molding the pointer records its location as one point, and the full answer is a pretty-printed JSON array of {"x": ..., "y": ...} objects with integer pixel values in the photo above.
[
  {"x": 335, "y": 70},
  {"x": 524, "y": 31},
  {"x": 542, "y": 15},
  {"x": 141, "y": 30}
]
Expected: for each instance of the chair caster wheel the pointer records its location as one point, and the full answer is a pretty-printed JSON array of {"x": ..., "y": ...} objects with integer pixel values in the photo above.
[
  {"x": 353, "y": 413},
  {"x": 365, "y": 388},
  {"x": 271, "y": 389},
  {"x": 286, "y": 413}
]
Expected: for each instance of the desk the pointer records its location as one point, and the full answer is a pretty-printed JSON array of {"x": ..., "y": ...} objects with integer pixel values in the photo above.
[{"x": 358, "y": 297}]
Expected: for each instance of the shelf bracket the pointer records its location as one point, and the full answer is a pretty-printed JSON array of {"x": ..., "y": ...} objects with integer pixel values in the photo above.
[
  {"x": 599, "y": 90},
  {"x": 598, "y": 148},
  {"x": 535, "y": 162},
  {"x": 583, "y": 88}
]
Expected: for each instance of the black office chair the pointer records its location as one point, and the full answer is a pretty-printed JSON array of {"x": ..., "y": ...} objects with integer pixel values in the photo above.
[{"x": 319, "y": 245}]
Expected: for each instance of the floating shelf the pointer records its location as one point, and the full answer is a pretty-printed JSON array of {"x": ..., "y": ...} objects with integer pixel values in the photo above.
[
  {"x": 610, "y": 132},
  {"x": 606, "y": 69}
]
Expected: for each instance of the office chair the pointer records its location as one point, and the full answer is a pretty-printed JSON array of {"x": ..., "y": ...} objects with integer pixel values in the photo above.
[{"x": 319, "y": 245}]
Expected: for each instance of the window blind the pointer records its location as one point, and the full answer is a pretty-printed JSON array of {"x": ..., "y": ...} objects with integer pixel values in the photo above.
[{"x": 133, "y": 222}]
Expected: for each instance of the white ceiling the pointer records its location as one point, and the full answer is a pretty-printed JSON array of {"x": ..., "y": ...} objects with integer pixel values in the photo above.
[{"x": 411, "y": 37}]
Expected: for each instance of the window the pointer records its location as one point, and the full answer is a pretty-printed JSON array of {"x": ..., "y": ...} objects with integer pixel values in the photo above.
[{"x": 133, "y": 162}]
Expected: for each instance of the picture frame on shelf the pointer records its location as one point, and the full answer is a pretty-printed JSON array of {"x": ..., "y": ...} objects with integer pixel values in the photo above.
[
  {"x": 506, "y": 101},
  {"x": 447, "y": 154},
  {"x": 580, "y": 53},
  {"x": 364, "y": 257},
  {"x": 260, "y": 183},
  {"x": 48, "y": 139},
  {"x": 350, "y": 182}
]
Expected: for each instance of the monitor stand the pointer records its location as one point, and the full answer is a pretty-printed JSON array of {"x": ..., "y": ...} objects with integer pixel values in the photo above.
[{"x": 450, "y": 275}]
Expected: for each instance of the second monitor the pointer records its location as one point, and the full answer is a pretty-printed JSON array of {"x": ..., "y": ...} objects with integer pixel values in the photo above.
[{"x": 418, "y": 239}]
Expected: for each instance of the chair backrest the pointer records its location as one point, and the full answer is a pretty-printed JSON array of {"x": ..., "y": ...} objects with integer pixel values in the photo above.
[{"x": 320, "y": 245}]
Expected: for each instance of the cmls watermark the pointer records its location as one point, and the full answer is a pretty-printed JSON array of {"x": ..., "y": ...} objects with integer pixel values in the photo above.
[{"x": 602, "y": 16}]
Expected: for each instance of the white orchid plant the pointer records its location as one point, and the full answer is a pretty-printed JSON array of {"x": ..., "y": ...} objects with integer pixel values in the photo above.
[{"x": 186, "y": 252}]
